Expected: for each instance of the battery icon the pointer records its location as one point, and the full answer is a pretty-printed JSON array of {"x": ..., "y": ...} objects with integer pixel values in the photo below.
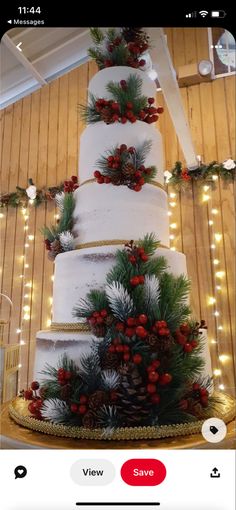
[{"x": 218, "y": 14}]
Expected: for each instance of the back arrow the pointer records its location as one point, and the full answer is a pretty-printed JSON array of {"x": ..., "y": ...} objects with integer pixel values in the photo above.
[{"x": 18, "y": 46}]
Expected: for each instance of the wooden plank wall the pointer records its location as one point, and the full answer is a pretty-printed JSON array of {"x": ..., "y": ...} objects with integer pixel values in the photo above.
[{"x": 40, "y": 139}]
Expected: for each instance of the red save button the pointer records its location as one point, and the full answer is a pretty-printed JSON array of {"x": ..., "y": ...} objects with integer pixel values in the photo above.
[{"x": 143, "y": 472}]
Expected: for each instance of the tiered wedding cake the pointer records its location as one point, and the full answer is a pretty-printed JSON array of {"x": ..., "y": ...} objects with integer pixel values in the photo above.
[{"x": 105, "y": 217}]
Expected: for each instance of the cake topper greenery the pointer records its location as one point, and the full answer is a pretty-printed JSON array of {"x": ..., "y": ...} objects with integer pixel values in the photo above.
[
  {"x": 127, "y": 104},
  {"x": 125, "y": 166},
  {"x": 119, "y": 47},
  {"x": 144, "y": 366}
]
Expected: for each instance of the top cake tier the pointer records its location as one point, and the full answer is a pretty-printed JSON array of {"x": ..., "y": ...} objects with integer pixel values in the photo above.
[{"x": 97, "y": 85}]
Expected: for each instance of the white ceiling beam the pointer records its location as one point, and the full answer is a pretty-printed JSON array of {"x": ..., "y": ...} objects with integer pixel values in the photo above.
[
  {"x": 63, "y": 45},
  {"x": 163, "y": 65},
  {"x": 23, "y": 60}
]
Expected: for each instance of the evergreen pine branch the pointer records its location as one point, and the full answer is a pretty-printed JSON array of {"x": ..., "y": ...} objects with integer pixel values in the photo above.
[
  {"x": 96, "y": 55},
  {"x": 90, "y": 371},
  {"x": 142, "y": 152},
  {"x": 151, "y": 294},
  {"x": 119, "y": 300},
  {"x": 66, "y": 220},
  {"x": 95, "y": 300},
  {"x": 111, "y": 34},
  {"x": 172, "y": 305},
  {"x": 149, "y": 243},
  {"x": 120, "y": 55},
  {"x": 88, "y": 113},
  {"x": 155, "y": 266},
  {"x": 100, "y": 347},
  {"x": 96, "y": 35}
]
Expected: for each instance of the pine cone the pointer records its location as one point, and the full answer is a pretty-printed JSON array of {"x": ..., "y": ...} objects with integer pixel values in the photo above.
[
  {"x": 98, "y": 399},
  {"x": 165, "y": 344},
  {"x": 89, "y": 420},
  {"x": 65, "y": 392},
  {"x": 56, "y": 247},
  {"x": 110, "y": 360},
  {"x": 106, "y": 115},
  {"x": 128, "y": 169},
  {"x": 152, "y": 341},
  {"x": 109, "y": 320},
  {"x": 133, "y": 403}
]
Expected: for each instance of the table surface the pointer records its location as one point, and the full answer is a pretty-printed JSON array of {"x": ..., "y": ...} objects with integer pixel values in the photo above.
[{"x": 14, "y": 436}]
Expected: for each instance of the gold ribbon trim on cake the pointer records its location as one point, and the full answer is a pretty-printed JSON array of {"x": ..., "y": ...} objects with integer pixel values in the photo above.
[
  {"x": 152, "y": 183},
  {"x": 70, "y": 326},
  {"x": 224, "y": 409},
  {"x": 111, "y": 242}
]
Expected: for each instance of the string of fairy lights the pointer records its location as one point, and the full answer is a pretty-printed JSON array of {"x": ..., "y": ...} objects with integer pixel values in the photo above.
[{"x": 218, "y": 274}]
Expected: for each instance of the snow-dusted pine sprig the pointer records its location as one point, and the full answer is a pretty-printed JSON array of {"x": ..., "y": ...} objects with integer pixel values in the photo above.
[
  {"x": 67, "y": 240},
  {"x": 110, "y": 379},
  {"x": 55, "y": 410},
  {"x": 59, "y": 198},
  {"x": 119, "y": 300},
  {"x": 107, "y": 417},
  {"x": 151, "y": 293}
]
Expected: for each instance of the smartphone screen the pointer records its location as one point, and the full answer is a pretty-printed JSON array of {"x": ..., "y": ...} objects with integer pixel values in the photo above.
[{"x": 117, "y": 303}]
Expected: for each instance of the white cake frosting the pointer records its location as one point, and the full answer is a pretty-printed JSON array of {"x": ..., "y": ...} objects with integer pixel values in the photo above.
[
  {"x": 100, "y": 137},
  {"x": 79, "y": 271},
  {"x": 97, "y": 85},
  {"x": 106, "y": 212},
  {"x": 51, "y": 345}
]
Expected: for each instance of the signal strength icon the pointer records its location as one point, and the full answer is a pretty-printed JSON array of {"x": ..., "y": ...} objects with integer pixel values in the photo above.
[
  {"x": 203, "y": 13},
  {"x": 191, "y": 15}
]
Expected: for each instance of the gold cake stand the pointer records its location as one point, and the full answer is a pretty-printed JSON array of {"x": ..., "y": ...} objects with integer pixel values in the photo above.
[{"x": 18, "y": 425}]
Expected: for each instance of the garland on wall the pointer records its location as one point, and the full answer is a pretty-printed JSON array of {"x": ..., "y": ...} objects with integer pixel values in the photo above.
[{"x": 180, "y": 175}]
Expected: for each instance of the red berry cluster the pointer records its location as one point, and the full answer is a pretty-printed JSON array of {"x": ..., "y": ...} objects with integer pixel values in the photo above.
[
  {"x": 186, "y": 337},
  {"x": 117, "y": 168},
  {"x": 198, "y": 394},
  {"x": 201, "y": 394},
  {"x": 36, "y": 402},
  {"x": 135, "y": 50},
  {"x": 111, "y": 111},
  {"x": 64, "y": 376},
  {"x": 137, "y": 280},
  {"x": 136, "y": 254},
  {"x": 185, "y": 175},
  {"x": 155, "y": 377},
  {"x": 161, "y": 329},
  {"x": 71, "y": 185},
  {"x": 121, "y": 348},
  {"x": 98, "y": 318},
  {"x": 151, "y": 114},
  {"x": 81, "y": 407}
]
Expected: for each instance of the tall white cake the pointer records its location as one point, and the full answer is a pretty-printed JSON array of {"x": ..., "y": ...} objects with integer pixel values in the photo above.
[{"x": 104, "y": 218}]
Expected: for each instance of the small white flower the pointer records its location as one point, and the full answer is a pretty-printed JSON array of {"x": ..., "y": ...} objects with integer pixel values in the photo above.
[
  {"x": 229, "y": 164},
  {"x": 167, "y": 176},
  {"x": 31, "y": 191}
]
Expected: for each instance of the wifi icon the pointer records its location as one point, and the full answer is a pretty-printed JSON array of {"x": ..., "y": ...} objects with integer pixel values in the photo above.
[{"x": 203, "y": 13}]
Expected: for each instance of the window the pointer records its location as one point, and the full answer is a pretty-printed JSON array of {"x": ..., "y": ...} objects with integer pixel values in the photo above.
[{"x": 222, "y": 51}]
